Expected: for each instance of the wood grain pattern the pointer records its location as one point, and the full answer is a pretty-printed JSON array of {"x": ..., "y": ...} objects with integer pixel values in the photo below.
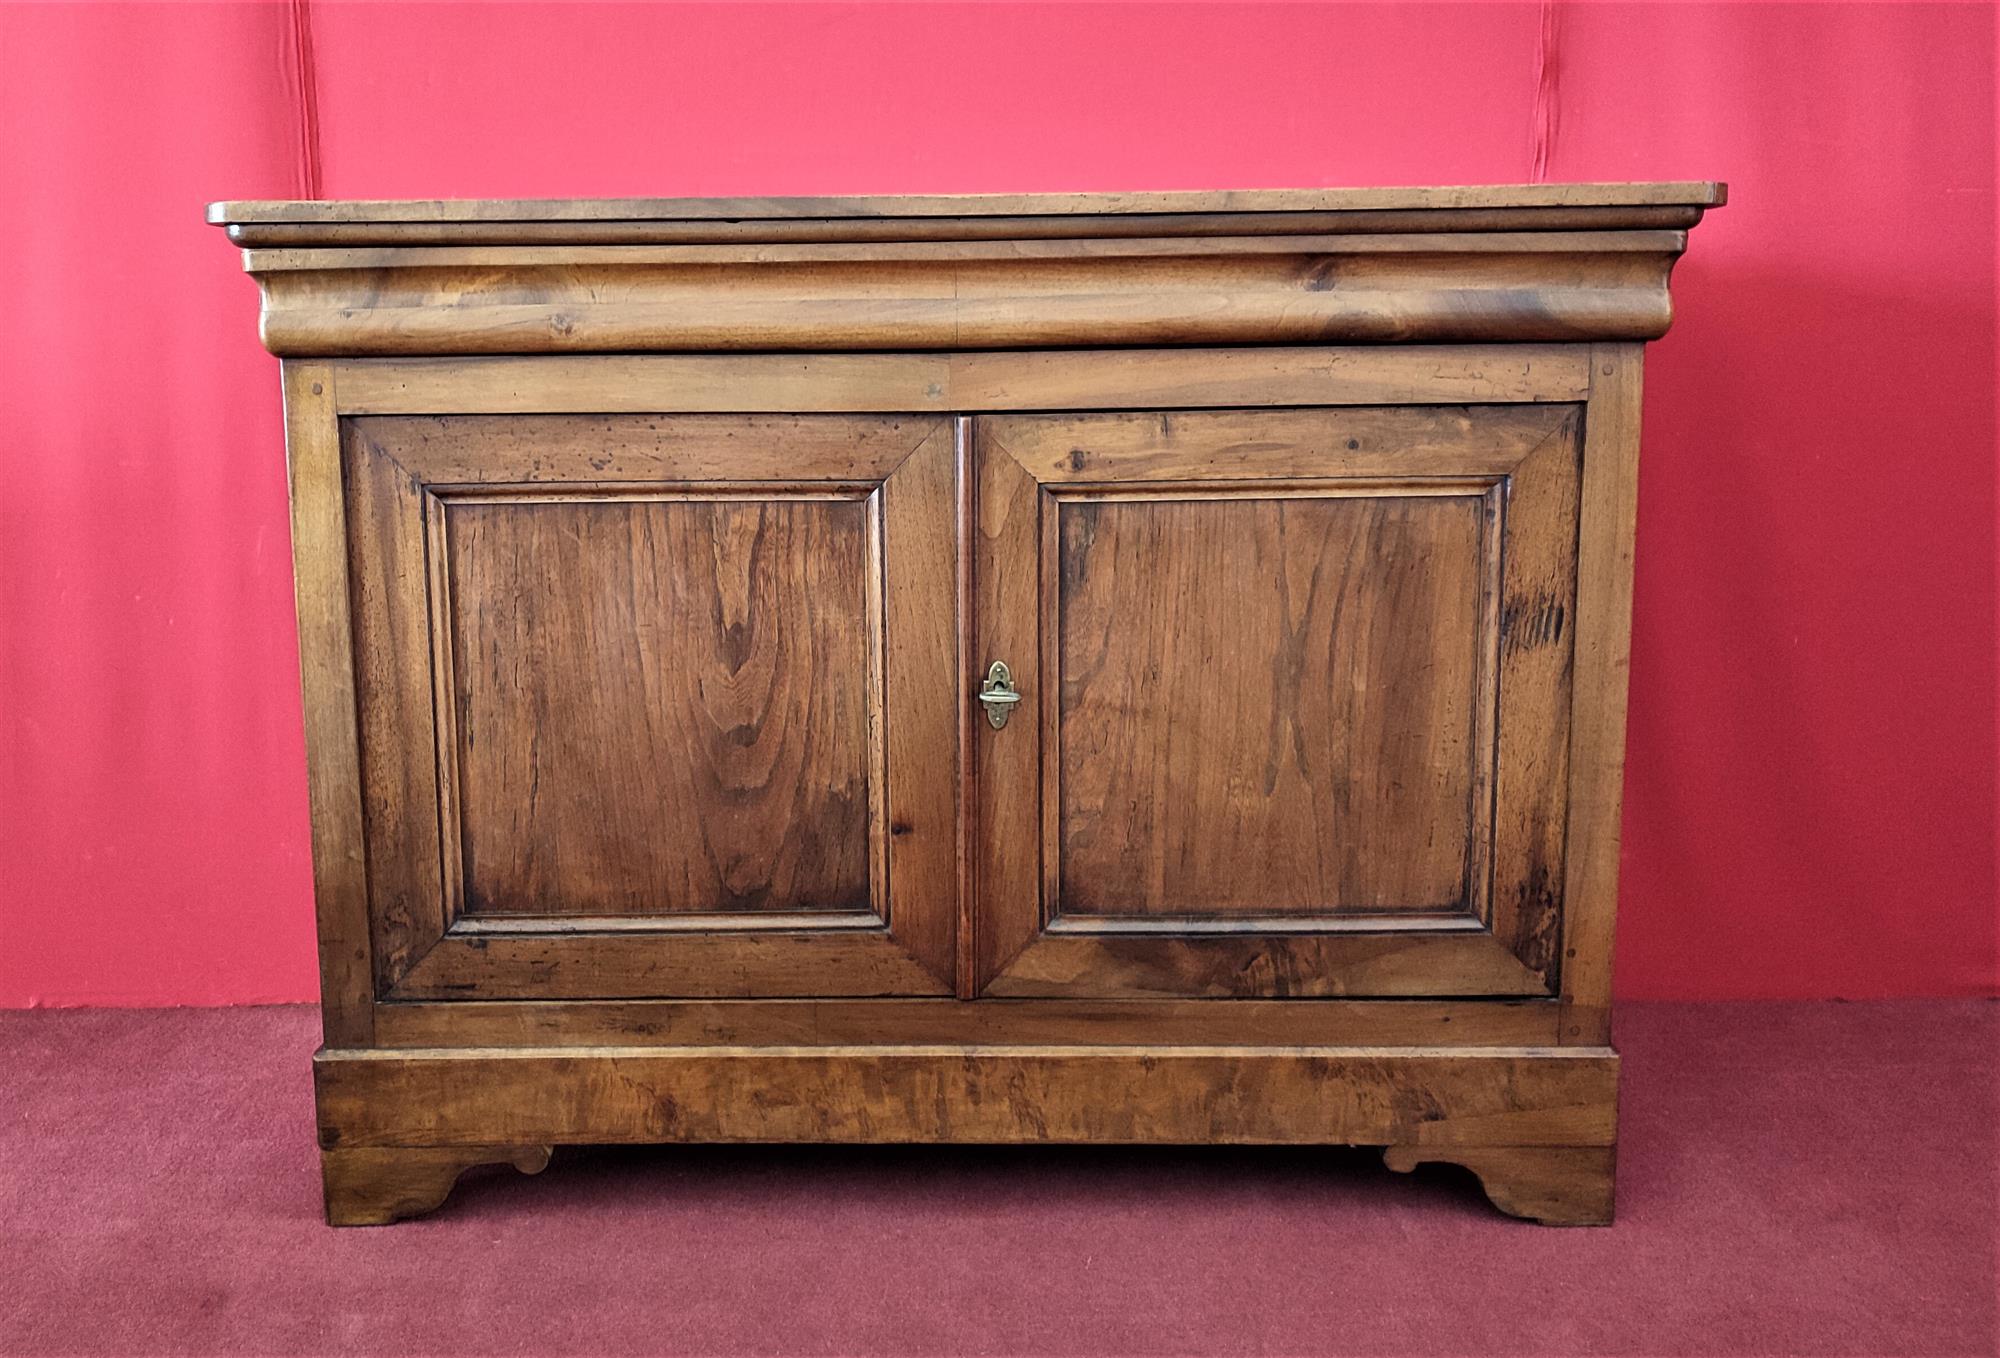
[
  {"x": 921, "y": 702},
  {"x": 972, "y": 206},
  {"x": 1446, "y": 441},
  {"x": 1534, "y": 637},
  {"x": 663, "y": 705},
  {"x": 1267, "y": 705},
  {"x": 805, "y": 1023},
  {"x": 1610, "y": 497},
  {"x": 1524, "y": 264},
  {"x": 333, "y": 742},
  {"x": 945, "y": 383},
  {"x": 411, "y": 898},
  {"x": 376, "y": 1185},
  {"x": 1553, "y": 1096},
  {"x": 815, "y": 955},
  {"x": 1006, "y": 591},
  {"x": 471, "y": 451},
  {"x": 907, "y": 283},
  {"x": 1254, "y": 781},
  {"x": 856, "y": 230},
  {"x": 965, "y": 679},
  {"x": 1469, "y": 288},
  {"x": 1555, "y": 1185},
  {"x": 1310, "y": 963},
  {"x": 594, "y": 623}
]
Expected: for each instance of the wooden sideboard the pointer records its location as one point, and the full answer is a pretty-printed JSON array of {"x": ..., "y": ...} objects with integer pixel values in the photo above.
[{"x": 1104, "y": 668}]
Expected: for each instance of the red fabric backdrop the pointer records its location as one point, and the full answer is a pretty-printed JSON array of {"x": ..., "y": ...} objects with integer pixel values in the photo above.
[{"x": 1810, "y": 804}]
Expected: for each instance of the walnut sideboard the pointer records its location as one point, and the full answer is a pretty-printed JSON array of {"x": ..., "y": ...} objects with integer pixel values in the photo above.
[{"x": 1104, "y": 668}]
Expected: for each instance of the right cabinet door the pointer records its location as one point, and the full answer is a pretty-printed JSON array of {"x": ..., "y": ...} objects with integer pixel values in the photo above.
[{"x": 1294, "y": 700}]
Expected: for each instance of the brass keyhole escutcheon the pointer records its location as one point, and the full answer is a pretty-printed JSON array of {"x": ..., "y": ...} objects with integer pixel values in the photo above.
[{"x": 998, "y": 694}]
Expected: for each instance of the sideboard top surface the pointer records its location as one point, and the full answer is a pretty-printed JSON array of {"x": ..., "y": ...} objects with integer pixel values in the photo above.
[{"x": 1684, "y": 194}]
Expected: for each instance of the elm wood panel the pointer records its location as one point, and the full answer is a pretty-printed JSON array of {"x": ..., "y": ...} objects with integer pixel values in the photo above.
[
  {"x": 1534, "y": 637},
  {"x": 1267, "y": 706},
  {"x": 1555, "y": 1185},
  {"x": 663, "y": 707},
  {"x": 333, "y": 740},
  {"x": 1335, "y": 295},
  {"x": 375, "y": 1185},
  {"x": 1603, "y": 641},
  {"x": 778, "y": 255},
  {"x": 389, "y": 517},
  {"x": 1007, "y": 802},
  {"x": 922, "y": 701},
  {"x": 1426, "y": 1096},
  {"x": 1023, "y": 955},
  {"x": 784, "y": 961},
  {"x": 966, "y": 680},
  {"x": 589, "y": 964},
  {"x": 668, "y": 449},
  {"x": 667, "y": 231},
  {"x": 788, "y": 1023},
  {"x": 1689, "y": 193},
  {"x": 1269, "y": 963},
  {"x": 1037, "y": 380},
  {"x": 1448, "y": 441}
]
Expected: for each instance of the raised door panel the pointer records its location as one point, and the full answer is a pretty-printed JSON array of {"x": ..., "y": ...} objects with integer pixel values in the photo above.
[
  {"x": 1295, "y": 704},
  {"x": 1267, "y": 706},
  {"x": 656, "y": 706},
  {"x": 715, "y": 653}
]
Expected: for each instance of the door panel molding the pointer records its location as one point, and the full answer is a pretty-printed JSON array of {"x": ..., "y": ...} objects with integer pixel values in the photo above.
[
  {"x": 798, "y": 648},
  {"x": 1470, "y": 884},
  {"x": 1520, "y": 467},
  {"x": 405, "y": 478}
]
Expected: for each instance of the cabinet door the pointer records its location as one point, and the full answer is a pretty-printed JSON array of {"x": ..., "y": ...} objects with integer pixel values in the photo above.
[
  {"x": 1295, "y": 691},
  {"x": 656, "y": 706}
]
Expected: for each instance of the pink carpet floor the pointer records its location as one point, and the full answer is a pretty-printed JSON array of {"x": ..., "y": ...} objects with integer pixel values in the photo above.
[{"x": 1795, "y": 1179}]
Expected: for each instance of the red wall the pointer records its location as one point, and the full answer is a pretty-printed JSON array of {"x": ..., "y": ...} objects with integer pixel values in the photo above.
[{"x": 1811, "y": 777}]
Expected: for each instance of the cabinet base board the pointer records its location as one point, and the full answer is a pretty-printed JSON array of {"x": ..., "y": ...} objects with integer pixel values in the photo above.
[{"x": 1537, "y": 1124}]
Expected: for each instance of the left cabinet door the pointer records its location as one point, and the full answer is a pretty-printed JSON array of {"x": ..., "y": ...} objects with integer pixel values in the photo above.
[{"x": 655, "y": 706}]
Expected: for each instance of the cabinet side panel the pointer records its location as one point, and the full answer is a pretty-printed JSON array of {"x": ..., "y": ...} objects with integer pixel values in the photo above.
[{"x": 326, "y": 654}]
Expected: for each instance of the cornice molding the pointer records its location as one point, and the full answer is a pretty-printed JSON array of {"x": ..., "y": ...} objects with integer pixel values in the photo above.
[{"x": 1543, "y": 263}]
